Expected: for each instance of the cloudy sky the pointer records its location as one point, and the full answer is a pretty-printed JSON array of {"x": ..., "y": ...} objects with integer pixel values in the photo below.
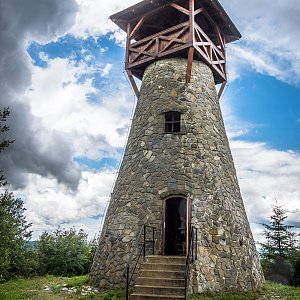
[{"x": 61, "y": 74}]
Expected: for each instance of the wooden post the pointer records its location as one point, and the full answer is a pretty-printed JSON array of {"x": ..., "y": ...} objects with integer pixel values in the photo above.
[
  {"x": 192, "y": 41},
  {"x": 133, "y": 83},
  {"x": 189, "y": 65},
  {"x": 222, "y": 89},
  {"x": 127, "y": 44}
]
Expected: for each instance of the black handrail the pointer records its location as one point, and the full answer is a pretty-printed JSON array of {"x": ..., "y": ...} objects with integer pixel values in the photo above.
[
  {"x": 142, "y": 249},
  {"x": 191, "y": 256}
]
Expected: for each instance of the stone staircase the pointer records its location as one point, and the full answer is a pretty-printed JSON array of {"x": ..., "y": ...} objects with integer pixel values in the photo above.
[{"x": 160, "y": 277}]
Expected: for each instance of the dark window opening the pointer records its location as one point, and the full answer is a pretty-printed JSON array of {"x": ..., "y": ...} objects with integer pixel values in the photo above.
[{"x": 172, "y": 121}]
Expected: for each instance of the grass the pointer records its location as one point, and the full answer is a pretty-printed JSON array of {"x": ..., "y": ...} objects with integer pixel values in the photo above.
[
  {"x": 33, "y": 289},
  {"x": 270, "y": 291}
]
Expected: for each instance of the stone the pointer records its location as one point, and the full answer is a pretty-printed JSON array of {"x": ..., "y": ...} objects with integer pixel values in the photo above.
[
  {"x": 173, "y": 93},
  {"x": 195, "y": 163}
]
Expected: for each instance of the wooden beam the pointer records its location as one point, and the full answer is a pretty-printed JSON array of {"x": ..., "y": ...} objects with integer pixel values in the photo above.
[
  {"x": 189, "y": 65},
  {"x": 180, "y": 8},
  {"x": 192, "y": 21},
  {"x": 142, "y": 51},
  {"x": 221, "y": 90},
  {"x": 209, "y": 62},
  {"x": 178, "y": 34},
  {"x": 220, "y": 39},
  {"x": 164, "y": 32},
  {"x": 166, "y": 38},
  {"x": 127, "y": 44},
  {"x": 208, "y": 17},
  {"x": 133, "y": 83},
  {"x": 137, "y": 27},
  {"x": 200, "y": 31},
  {"x": 198, "y": 11},
  {"x": 225, "y": 56}
]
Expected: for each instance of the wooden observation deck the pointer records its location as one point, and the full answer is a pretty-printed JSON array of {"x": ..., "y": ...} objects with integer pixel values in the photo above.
[{"x": 194, "y": 29}]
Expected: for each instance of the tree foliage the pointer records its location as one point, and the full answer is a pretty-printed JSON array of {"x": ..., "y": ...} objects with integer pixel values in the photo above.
[
  {"x": 4, "y": 114},
  {"x": 15, "y": 258},
  {"x": 65, "y": 252},
  {"x": 4, "y": 143},
  {"x": 280, "y": 238},
  {"x": 280, "y": 255}
]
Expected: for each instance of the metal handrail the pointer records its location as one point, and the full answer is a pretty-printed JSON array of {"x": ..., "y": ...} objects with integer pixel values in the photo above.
[
  {"x": 191, "y": 256},
  {"x": 141, "y": 250}
]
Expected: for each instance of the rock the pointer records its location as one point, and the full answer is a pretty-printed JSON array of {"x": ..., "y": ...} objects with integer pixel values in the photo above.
[{"x": 195, "y": 163}]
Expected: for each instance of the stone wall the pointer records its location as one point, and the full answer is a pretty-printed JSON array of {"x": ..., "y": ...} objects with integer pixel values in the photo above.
[{"x": 195, "y": 162}]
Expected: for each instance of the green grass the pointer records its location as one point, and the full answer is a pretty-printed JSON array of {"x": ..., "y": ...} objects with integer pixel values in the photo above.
[
  {"x": 33, "y": 289},
  {"x": 270, "y": 291}
]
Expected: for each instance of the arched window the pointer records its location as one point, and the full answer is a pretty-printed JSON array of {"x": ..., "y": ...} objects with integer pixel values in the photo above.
[{"x": 172, "y": 121}]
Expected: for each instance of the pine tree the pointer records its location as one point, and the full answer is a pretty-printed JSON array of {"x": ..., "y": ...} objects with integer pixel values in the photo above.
[
  {"x": 280, "y": 238},
  {"x": 280, "y": 244}
]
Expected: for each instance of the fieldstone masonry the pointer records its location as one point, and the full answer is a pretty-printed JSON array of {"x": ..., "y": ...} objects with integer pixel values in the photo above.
[{"x": 195, "y": 162}]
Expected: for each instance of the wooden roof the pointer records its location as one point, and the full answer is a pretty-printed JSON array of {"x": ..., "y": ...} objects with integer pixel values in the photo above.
[{"x": 160, "y": 16}]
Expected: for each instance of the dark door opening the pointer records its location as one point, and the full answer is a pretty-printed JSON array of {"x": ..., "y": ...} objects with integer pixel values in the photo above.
[{"x": 175, "y": 226}]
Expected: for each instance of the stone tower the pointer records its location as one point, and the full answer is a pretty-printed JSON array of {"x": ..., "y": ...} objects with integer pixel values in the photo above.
[{"x": 177, "y": 170}]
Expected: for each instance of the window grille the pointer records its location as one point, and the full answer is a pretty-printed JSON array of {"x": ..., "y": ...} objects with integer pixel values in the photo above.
[{"x": 172, "y": 121}]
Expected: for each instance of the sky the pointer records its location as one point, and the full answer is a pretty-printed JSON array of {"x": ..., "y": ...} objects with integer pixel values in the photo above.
[{"x": 62, "y": 76}]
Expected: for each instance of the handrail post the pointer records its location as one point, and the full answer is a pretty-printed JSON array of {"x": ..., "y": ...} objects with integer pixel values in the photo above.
[
  {"x": 127, "y": 283},
  {"x": 144, "y": 241},
  {"x": 153, "y": 243},
  {"x": 141, "y": 249},
  {"x": 192, "y": 243},
  {"x": 196, "y": 242}
]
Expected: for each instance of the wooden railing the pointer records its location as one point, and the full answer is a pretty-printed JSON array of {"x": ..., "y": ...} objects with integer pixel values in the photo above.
[
  {"x": 158, "y": 45},
  {"x": 174, "y": 40},
  {"x": 212, "y": 54}
]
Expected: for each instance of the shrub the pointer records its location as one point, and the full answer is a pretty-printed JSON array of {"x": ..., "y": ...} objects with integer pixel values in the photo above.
[{"x": 65, "y": 252}]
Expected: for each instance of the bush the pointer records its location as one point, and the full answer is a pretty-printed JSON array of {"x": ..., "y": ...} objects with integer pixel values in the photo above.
[
  {"x": 281, "y": 270},
  {"x": 15, "y": 257},
  {"x": 294, "y": 257},
  {"x": 65, "y": 252}
]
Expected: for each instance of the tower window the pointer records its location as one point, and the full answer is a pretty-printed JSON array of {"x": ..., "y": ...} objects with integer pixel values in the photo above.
[{"x": 172, "y": 121}]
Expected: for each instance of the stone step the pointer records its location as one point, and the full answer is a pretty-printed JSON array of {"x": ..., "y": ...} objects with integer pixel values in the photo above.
[
  {"x": 162, "y": 274},
  {"x": 165, "y": 259},
  {"x": 154, "y": 297},
  {"x": 159, "y": 290},
  {"x": 163, "y": 266},
  {"x": 160, "y": 281}
]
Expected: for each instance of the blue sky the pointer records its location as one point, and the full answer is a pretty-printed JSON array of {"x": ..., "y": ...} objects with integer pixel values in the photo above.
[
  {"x": 272, "y": 105},
  {"x": 62, "y": 74}
]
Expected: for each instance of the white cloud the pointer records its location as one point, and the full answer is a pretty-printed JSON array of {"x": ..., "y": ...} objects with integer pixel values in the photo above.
[
  {"x": 269, "y": 44},
  {"x": 49, "y": 205},
  {"x": 266, "y": 175},
  {"x": 93, "y": 16},
  {"x": 107, "y": 69},
  {"x": 91, "y": 127}
]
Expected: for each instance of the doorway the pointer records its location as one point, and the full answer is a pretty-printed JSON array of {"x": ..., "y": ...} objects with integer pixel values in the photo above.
[{"x": 175, "y": 237}]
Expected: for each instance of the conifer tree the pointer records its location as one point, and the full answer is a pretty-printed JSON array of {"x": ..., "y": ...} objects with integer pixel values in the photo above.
[
  {"x": 280, "y": 238},
  {"x": 280, "y": 244}
]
